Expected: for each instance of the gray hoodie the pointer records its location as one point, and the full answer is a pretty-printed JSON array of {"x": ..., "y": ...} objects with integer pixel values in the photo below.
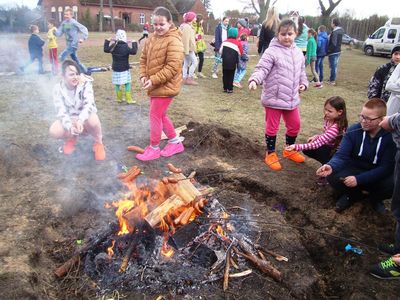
[
  {"x": 72, "y": 30},
  {"x": 394, "y": 122}
]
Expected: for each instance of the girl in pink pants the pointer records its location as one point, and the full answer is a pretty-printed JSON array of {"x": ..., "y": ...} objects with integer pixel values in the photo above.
[{"x": 161, "y": 75}]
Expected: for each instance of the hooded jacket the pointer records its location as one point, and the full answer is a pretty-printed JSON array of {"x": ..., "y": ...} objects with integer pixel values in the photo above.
[
  {"x": 161, "y": 61},
  {"x": 188, "y": 38},
  {"x": 373, "y": 155},
  {"x": 281, "y": 70},
  {"x": 35, "y": 44},
  {"x": 72, "y": 30},
  {"x": 335, "y": 41},
  {"x": 80, "y": 106},
  {"x": 377, "y": 83},
  {"x": 120, "y": 54},
  {"x": 322, "y": 43}
]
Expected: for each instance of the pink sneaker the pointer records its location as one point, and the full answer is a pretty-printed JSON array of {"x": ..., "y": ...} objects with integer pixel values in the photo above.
[
  {"x": 149, "y": 154},
  {"x": 172, "y": 149}
]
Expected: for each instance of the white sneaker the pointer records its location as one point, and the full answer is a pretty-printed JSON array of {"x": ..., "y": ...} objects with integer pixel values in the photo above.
[
  {"x": 214, "y": 75},
  {"x": 194, "y": 76},
  {"x": 201, "y": 75}
]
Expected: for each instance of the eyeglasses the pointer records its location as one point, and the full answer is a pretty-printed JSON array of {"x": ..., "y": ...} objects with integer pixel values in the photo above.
[{"x": 367, "y": 119}]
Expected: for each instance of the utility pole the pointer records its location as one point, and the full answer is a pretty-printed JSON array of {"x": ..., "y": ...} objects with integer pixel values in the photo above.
[
  {"x": 112, "y": 16},
  {"x": 101, "y": 16}
]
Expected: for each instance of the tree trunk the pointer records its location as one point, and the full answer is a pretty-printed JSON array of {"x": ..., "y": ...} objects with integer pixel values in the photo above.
[
  {"x": 112, "y": 16},
  {"x": 101, "y": 16}
]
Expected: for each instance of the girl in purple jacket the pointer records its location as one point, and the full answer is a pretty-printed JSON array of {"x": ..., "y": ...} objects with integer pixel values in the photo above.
[{"x": 281, "y": 71}]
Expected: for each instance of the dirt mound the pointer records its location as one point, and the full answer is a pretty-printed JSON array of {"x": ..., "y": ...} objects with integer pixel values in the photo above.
[{"x": 213, "y": 139}]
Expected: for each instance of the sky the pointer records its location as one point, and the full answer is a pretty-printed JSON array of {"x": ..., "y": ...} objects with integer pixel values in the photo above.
[{"x": 358, "y": 8}]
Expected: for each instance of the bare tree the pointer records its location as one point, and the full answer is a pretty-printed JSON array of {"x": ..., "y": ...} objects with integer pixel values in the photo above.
[
  {"x": 207, "y": 4},
  {"x": 326, "y": 12},
  {"x": 112, "y": 15},
  {"x": 261, "y": 7},
  {"x": 101, "y": 16}
]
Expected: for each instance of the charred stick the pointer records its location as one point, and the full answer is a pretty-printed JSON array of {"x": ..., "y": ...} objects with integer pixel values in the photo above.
[
  {"x": 226, "y": 271},
  {"x": 92, "y": 243},
  {"x": 127, "y": 256},
  {"x": 277, "y": 256},
  {"x": 263, "y": 265}
]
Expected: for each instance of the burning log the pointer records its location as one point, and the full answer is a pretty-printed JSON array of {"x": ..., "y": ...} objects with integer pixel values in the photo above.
[
  {"x": 155, "y": 216},
  {"x": 91, "y": 244},
  {"x": 183, "y": 188},
  {"x": 127, "y": 256}
]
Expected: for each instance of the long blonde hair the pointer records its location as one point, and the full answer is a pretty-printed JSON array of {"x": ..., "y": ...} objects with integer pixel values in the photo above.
[{"x": 272, "y": 19}]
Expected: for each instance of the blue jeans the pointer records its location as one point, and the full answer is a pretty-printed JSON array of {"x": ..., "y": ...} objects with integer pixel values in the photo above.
[
  {"x": 333, "y": 62},
  {"x": 72, "y": 52},
  {"x": 319, "y": 67},
  {"x": 239, "y": 74},
  {"x": 40, "y": 61}
]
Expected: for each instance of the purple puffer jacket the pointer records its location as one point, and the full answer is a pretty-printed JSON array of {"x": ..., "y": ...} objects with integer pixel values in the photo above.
[{"x": 281, "y": 70}]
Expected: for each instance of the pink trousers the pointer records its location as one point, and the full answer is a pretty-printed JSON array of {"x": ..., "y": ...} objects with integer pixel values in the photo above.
[
  {"x": 290, "y": 117},
  {"x": 159, "y": 120}
]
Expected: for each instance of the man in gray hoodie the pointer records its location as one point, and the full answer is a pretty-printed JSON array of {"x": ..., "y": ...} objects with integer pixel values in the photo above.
[
  {"x": 73, "y": 31},
  {"x": 334, "y": 49}
]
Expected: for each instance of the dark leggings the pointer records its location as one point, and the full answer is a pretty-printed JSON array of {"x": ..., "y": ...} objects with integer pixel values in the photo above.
[
  {"x": 201, "y": 61},
  {"x": 144, "y": 36},
  {"x": 396, "y": 201},
  {"x": 323, "y": 154}
]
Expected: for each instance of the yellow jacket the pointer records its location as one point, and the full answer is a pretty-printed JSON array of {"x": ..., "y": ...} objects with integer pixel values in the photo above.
[
  {"x": 161, "y": 62},
  {"x": 51, "y": 38}
]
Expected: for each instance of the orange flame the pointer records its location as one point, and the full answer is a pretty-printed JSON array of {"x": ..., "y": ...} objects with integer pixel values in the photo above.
[
  {"x": 225, "y": 215},
  {"x": 167, "y": 250},
  {"x": 220, "y": 231},
  {"x": 110, "y": 250}
]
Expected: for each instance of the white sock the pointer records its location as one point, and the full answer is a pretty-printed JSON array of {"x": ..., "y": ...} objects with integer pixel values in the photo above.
[
  {"x": 175, "y": 140},
  {"x": 155, "y": 147}
]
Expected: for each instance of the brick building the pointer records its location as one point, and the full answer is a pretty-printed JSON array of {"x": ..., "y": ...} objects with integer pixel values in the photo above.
[{"x": 125, "y": 12}]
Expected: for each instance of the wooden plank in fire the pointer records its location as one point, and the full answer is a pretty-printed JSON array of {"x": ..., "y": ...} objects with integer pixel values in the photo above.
[
  {"x": 155, "y": 216},
  {"x": 184, "y": 189}
]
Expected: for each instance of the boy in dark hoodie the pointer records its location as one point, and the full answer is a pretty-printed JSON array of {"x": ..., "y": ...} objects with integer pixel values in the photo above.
[
  {"x": 35, "y": 45},
  {"x": 390, "y": 268},
  {"x": 364, "y": 161},
  {"x": 231, "y": 50}
]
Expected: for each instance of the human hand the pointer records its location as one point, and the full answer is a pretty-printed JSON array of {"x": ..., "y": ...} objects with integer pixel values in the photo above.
[
  {"x": 350, "y": 181},
  {"x": 385, "y": 124},
  {"x": 324, "y": 170},
  {"x": 312, "y": 139},
  {"x": 290, "y": 147},
  {"x": 302, "y": 88},
  {"x": 147, "y": 85},
  {"x": 80, "y": 41},
  {"x": 252, "y": 85},
  {"x": 77, "y": 128},
  {"x": 143, "y": 80}
]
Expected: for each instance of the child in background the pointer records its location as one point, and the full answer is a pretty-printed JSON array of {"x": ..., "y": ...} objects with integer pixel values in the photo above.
[
  {"x": 73, "y": 31},
  {"x": 242, "y": 66},
  {"x": 162, "y": 79},
  {"x": 322, "y": 47},
  {"x": 76, "y": 110},
  {"x": 322, "y": 146},
  {"x": 121, "y": 74},
  {"x": 35, "y": 45},
  {"x": 311, "y": 55},
  {"x": 189, "y": 46},
  {"x": 145, "y": 33},
  {"x": 52, "y": 45},
  {"x": 231, "y": 50},
  {"x": 282, "y": 81},
  {"x": 200, "y": 43}
]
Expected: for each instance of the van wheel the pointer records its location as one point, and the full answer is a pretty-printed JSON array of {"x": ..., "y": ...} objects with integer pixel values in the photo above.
[{"x": 368, "y": 50}]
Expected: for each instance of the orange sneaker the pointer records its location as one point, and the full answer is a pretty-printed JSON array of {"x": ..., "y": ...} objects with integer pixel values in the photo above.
[
  {"x": 69, "y": 146},
  {"x": 272, "y": 161},
  {"x": 99, "y": 152},
  {"x": 294, "y": 156}
]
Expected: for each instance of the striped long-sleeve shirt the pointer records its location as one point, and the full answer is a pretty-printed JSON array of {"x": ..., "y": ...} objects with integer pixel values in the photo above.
[{"x": 331, "y": 131}]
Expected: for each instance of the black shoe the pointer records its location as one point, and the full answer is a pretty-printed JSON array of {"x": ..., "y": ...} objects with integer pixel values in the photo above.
[
  {"x": 343, "y": 203},
  {"x": 379, "y": 207},
  {"x": 388, "y": 249},
  {"x": 386, "y": 269}
]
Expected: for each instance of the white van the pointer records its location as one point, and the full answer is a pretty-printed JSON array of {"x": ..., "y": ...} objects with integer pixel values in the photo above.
[{"x": 384, "y": 39}]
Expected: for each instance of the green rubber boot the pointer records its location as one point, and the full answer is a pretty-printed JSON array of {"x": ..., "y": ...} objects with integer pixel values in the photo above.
[
  {"x": 119, "y": 96},
  {"x": 128, "y": 97}
]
